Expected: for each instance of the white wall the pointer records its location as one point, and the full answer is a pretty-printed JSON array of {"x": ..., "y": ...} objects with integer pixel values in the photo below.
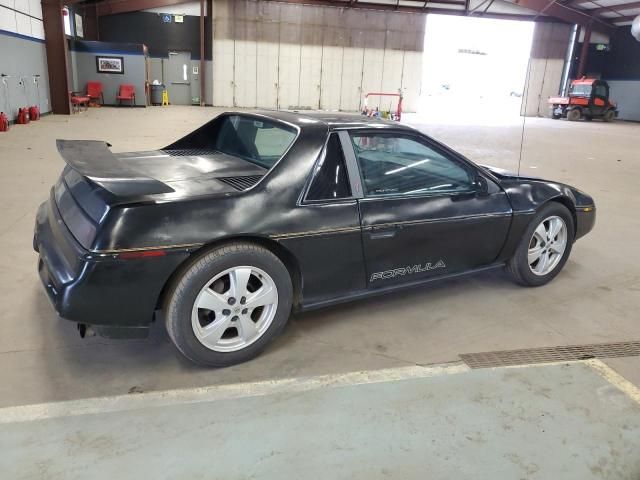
[
  {"x": 627, "y": 95},
  {"x": 22, "y": 57},
  {"x": 23, "y": 17}
]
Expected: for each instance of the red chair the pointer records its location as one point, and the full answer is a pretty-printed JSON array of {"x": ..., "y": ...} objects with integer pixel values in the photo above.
[
  {"x": 78, "y": 100},
  {"x": 94, "y": 92},
  {"x": 127, "y": 92}
]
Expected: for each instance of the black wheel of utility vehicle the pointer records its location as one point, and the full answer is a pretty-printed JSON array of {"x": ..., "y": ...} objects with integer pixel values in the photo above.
[
  {"x": 228, "y": 304},
  {"x": 574, "y": 115},
  {"x": 556, "y": 116},
  {"x": 544, "y": 247},
  {"x": 609, "y": 116}
]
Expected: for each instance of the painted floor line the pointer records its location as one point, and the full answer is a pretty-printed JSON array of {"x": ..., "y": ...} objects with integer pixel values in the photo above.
[
  {"x": 614, "y": 378},
  {"x": 118, "y": 403},
  {"x": 88, "y": 406}
]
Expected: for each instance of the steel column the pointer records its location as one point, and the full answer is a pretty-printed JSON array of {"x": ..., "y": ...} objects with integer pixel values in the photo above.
[
  {"x": 202, "y": 72},
  {"x": 57, "y": 56},
  {"x": 584, "y": 52}
]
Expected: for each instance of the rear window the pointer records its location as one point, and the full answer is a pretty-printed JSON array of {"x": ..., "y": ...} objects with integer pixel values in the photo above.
[{"x": 258, "y": 141}]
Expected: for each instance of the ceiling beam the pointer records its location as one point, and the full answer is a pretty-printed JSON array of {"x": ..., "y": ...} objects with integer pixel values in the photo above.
[
  {"x": 373, "y": 6},
  {"x": 567, "y": 14},
  {"x": 615, "y": 8},
  {"x": 421, "y": 9},
  {"x": 628, "y": 18},
  {"x": 111, "y": 7}
]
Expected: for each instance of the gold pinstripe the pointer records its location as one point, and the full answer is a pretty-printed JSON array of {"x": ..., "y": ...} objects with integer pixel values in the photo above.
[
  {"x": 140, "y": 249},
  {"x": 314, "y": 233}
]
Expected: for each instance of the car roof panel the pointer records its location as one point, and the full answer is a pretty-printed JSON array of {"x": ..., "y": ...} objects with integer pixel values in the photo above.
[{"x": 334, "y": 120}]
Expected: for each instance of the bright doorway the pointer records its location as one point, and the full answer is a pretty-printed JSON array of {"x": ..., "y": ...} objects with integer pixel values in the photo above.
[{"x": 474, "y": 69}]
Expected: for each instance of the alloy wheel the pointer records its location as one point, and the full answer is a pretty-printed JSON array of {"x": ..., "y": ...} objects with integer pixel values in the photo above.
[
  {"x": 547, "y": 245},
  {"x": 234, "y": 309}
]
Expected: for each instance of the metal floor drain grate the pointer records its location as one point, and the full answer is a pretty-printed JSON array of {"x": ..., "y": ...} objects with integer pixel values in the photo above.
[{"x": 505, "y": 358}]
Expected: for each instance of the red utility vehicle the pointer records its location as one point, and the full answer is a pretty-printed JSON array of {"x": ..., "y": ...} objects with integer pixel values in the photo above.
[{"x": 588, "y": 98}]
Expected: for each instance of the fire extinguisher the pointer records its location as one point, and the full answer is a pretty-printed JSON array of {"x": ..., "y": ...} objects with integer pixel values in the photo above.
[
  {"x": 4, "y": 122},
  {"x": 34, "y": 113},
  {"x": 23, "y": 116}
]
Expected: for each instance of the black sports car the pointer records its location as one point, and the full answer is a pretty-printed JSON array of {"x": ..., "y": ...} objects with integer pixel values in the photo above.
[{"x": 226, "y": 230}]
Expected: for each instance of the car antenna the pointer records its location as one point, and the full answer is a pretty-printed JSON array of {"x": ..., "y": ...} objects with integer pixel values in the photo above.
[
  {"x": 526, "y": 84},
  {"x": 524, "y": 113}
]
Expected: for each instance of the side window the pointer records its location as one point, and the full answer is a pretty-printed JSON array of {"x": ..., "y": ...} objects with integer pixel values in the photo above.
[
  {"x": 329, "y": 177},
  {"x": 601, "y": 91},
  {"x": 393, "y": 165}
]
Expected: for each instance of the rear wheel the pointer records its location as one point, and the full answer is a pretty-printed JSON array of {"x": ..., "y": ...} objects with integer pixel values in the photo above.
[
  {"x": 545, "y": 246},
  {"x": 573, "y": 115},
  {"x": 229, "y": 304},
  {"x": 609, "y": 116}
]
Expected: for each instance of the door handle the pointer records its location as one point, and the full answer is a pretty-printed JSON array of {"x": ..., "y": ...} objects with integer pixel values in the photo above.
[{"x": 382, "y": 233}]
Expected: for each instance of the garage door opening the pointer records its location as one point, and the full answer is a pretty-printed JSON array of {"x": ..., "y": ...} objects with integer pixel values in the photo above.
[{"x": 474, "y": 69}]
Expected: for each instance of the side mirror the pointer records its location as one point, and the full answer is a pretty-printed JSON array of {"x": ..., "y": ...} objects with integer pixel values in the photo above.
[{"x": 481, "y": 185}]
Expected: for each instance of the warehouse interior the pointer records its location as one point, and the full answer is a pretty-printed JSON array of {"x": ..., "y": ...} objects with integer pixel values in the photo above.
[{"x": 468, "y": 377}]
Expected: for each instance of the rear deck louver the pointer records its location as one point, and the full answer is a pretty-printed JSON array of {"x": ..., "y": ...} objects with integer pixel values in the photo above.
[
  {"x": 241, "y": 183},
  {"x": 189, "y": 152}
]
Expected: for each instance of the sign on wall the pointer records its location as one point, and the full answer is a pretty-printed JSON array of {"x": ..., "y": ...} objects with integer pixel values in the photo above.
[
  {"x": 79, "y": 28},
  {"x": 110, "y": 64}
]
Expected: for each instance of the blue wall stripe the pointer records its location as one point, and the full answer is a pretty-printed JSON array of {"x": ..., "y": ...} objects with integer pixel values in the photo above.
[{"x": 19, "y": 35}]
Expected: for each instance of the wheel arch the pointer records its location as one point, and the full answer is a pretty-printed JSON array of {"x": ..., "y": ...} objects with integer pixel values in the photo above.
[
  {"x": 567, "y": 202},
  {"x": 284, "y": 255}
]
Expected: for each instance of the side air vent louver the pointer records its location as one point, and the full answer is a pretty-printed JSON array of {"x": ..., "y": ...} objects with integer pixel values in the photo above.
[
  {"x": 241, "y": 183},
  {"x": 190, "y": 152}
]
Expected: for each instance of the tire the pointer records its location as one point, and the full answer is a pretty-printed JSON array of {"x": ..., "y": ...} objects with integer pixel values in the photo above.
[
  {"x": 555, "y": 116},
  {"x": 609, "y": 116},
  {"x": 574, "y": 115},
  {"x": 233, "y": 330},
  {"x": 534, "y": 274}
]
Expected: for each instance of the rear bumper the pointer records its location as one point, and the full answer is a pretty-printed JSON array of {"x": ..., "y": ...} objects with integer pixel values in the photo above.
[{"x": 117, "y": 297}]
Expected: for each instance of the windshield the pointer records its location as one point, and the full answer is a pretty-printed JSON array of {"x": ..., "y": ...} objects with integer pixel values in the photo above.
[
  {"x": 581, "y": 90},
  {"x": 258, "y": 141}
]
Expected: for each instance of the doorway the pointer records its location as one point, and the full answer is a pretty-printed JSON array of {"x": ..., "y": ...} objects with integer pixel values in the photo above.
[
  {"x": 474, "y": 68},
  {"x": 178, "y": 77}
]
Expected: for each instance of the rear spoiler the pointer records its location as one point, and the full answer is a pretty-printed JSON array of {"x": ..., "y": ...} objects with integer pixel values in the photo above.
[{"x": 94, "y": 160}]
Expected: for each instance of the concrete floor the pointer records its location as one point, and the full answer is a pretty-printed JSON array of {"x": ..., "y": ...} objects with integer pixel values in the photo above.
[
  {"x": 595, "y": 299},
  {"x": 563, "y": 421}
]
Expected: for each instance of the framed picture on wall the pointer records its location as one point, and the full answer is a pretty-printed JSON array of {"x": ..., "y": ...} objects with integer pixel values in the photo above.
[{"x": 110, "y": 64}]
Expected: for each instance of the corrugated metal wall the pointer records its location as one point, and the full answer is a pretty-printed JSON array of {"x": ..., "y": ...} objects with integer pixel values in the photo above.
[
  {"x": 548, "y": 51},
  {"x": 280, "y": 55}
]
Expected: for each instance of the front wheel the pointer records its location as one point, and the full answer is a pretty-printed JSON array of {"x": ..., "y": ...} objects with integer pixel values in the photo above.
[
  {"x": 544, "y": 248},
  {"x": 574, "y": 115},
  {"x": 228, "y": 304}
]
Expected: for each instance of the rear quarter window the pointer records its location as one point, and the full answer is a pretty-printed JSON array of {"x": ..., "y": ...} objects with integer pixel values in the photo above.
[{"x": 258, "y": 141}]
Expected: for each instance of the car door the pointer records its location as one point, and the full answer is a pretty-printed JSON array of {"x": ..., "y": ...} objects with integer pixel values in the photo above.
[
  {"x": 326, "y": 241},
  {"x": 424, "y": 210},
  {"x": 599, "y": 98}
]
